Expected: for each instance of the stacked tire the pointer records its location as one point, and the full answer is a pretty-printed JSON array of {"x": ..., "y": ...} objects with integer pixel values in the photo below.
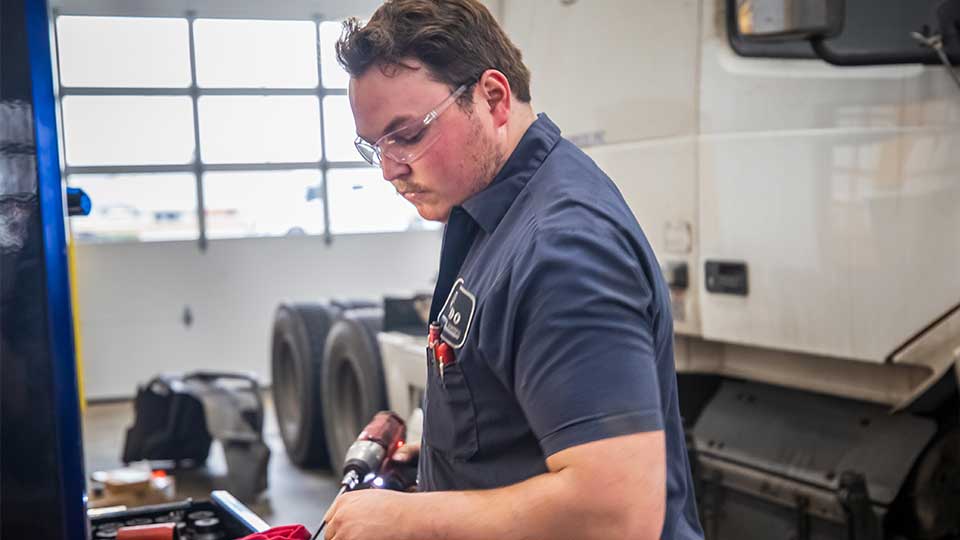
[{"x": 327, "y": 377}]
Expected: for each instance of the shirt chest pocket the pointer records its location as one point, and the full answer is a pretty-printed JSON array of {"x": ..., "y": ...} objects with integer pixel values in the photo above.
[{"x": 450, "y": 424}]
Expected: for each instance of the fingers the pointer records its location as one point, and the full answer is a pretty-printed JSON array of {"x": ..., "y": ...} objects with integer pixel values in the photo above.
[
  {"x": 328, "y": 517},
  {"x": 329, "y": 528},
  {"x": 402, "y": 455},
  {"x": 338, "y": 512},
  {"x": 407, "y": 453}
]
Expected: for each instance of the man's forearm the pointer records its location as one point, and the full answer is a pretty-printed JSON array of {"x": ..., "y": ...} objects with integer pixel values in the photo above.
[
  {"x": 611, "y": 488},
  {"x": 556, "y": 505}
]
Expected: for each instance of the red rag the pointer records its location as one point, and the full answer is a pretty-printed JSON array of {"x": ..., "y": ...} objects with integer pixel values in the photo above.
[{"x": 285, "y": 532}]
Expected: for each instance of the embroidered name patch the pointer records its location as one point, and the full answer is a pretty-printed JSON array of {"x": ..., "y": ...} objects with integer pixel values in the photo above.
[{"x": 457, "y": 314}]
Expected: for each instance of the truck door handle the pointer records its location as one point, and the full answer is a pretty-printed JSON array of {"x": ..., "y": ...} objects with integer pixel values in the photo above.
[{"x": 727, "y": 277}]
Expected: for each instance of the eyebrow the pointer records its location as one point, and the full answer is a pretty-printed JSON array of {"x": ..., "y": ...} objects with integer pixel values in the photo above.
[{"x": 394, "y": 124}]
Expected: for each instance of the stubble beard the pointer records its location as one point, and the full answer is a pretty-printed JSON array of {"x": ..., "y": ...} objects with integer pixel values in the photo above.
[{"x": 488, "y": 160}]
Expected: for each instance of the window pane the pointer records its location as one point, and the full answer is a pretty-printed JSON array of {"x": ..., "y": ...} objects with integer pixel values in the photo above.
[
  {"x": 339, "y": 129},
  {"x": 275, "y": 203},
  {"x": 361, "y": 201},
  {"x": 128, "y": 130},
  {"x": 124, "y": 51},
  {"x": 144, "y": 207},
  {"x": 257, "y": 54},
  {"x": 334, "y": 76},
  {"x": 257, "y": 129}
]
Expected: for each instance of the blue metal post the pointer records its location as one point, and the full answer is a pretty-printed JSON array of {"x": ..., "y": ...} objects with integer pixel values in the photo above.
[{"x": 44, "y": 491}]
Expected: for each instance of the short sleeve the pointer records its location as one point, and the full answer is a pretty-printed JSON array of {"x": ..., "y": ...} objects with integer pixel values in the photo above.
[{"x": 585, "y": 365}]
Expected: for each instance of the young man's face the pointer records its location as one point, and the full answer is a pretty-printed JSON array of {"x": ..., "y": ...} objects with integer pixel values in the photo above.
[{"x": 458, "y": 164}]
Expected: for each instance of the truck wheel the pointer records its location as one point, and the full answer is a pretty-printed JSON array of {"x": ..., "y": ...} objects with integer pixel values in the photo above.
[
  {"x": 352, "y": 379},
  {"x": 299, "y": 338},
  {"x": 935, "y": 489}
]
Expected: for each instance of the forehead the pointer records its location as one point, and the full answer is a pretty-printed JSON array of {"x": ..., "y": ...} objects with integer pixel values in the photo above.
[{"x": 378, "y": 99}]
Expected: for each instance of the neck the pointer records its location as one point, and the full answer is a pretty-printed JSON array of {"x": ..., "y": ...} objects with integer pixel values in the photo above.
[{"x": 521, "y": 117}]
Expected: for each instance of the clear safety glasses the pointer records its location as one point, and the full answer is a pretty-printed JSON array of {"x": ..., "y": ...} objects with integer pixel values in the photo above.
[{"x": 407, "y": 143}]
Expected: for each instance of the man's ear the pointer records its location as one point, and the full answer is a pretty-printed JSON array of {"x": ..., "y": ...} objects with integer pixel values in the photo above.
[{"x": 494, "y": 90}]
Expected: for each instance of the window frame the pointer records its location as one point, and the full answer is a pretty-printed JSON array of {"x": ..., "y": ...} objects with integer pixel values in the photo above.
[{"x": 198, "y": 167}]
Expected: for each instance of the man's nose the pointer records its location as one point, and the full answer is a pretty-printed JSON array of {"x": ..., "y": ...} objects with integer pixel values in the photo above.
[{"x": 393, "y": 169}]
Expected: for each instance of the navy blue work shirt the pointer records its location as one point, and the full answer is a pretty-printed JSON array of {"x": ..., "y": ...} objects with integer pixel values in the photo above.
[{"x": 560, "y": 322}]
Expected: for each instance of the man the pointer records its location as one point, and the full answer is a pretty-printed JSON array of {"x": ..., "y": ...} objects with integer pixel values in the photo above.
[{"x": 551, "y": 404}]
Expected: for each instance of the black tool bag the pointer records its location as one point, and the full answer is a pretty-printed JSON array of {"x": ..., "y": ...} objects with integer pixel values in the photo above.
[
  {"x": 170, "y": 424},
  {"x": 178, "y": 416}
]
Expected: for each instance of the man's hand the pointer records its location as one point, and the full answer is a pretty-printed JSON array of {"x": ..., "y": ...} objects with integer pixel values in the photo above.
[
  {"x": 407, "y": 453},
  {"x": 368, "y": 514}
]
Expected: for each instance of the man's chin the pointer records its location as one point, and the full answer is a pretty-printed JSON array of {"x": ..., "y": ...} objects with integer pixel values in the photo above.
[{"x": 432, "y": 213}]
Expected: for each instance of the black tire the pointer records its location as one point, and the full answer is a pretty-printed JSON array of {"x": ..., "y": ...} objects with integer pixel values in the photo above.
[
  {"x": 299, "y": 338},
  {"x": 352, "y": 379}
]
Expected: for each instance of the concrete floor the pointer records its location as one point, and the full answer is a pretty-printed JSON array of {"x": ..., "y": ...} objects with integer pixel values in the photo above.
[{"x": 293, "y": 496}]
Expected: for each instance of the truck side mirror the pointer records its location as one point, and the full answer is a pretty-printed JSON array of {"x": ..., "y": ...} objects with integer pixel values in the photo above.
[
  {"x": 948, "y": 19},
  {"x": 787, "y": 20}
]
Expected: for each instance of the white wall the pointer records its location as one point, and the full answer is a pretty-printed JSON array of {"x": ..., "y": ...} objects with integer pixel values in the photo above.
[{"x": 132, "y": 298}]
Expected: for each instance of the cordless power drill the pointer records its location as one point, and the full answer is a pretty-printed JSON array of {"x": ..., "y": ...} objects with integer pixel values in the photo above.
[
  {"x": 370, "y": 454},
  {"x": 373, "y": 449}
]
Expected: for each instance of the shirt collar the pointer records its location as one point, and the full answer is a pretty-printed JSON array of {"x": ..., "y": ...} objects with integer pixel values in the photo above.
[{"x": 489, "y": 206}]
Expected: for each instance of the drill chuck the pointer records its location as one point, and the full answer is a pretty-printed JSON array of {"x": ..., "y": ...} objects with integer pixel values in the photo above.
[{"x": 363, "y": 458}]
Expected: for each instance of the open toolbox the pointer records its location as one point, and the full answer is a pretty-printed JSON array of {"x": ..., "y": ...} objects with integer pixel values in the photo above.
[{"x": 223, "y": 517}]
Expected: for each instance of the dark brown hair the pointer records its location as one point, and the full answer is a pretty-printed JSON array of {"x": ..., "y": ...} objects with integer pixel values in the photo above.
[{"x": 456, "y": 39}]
